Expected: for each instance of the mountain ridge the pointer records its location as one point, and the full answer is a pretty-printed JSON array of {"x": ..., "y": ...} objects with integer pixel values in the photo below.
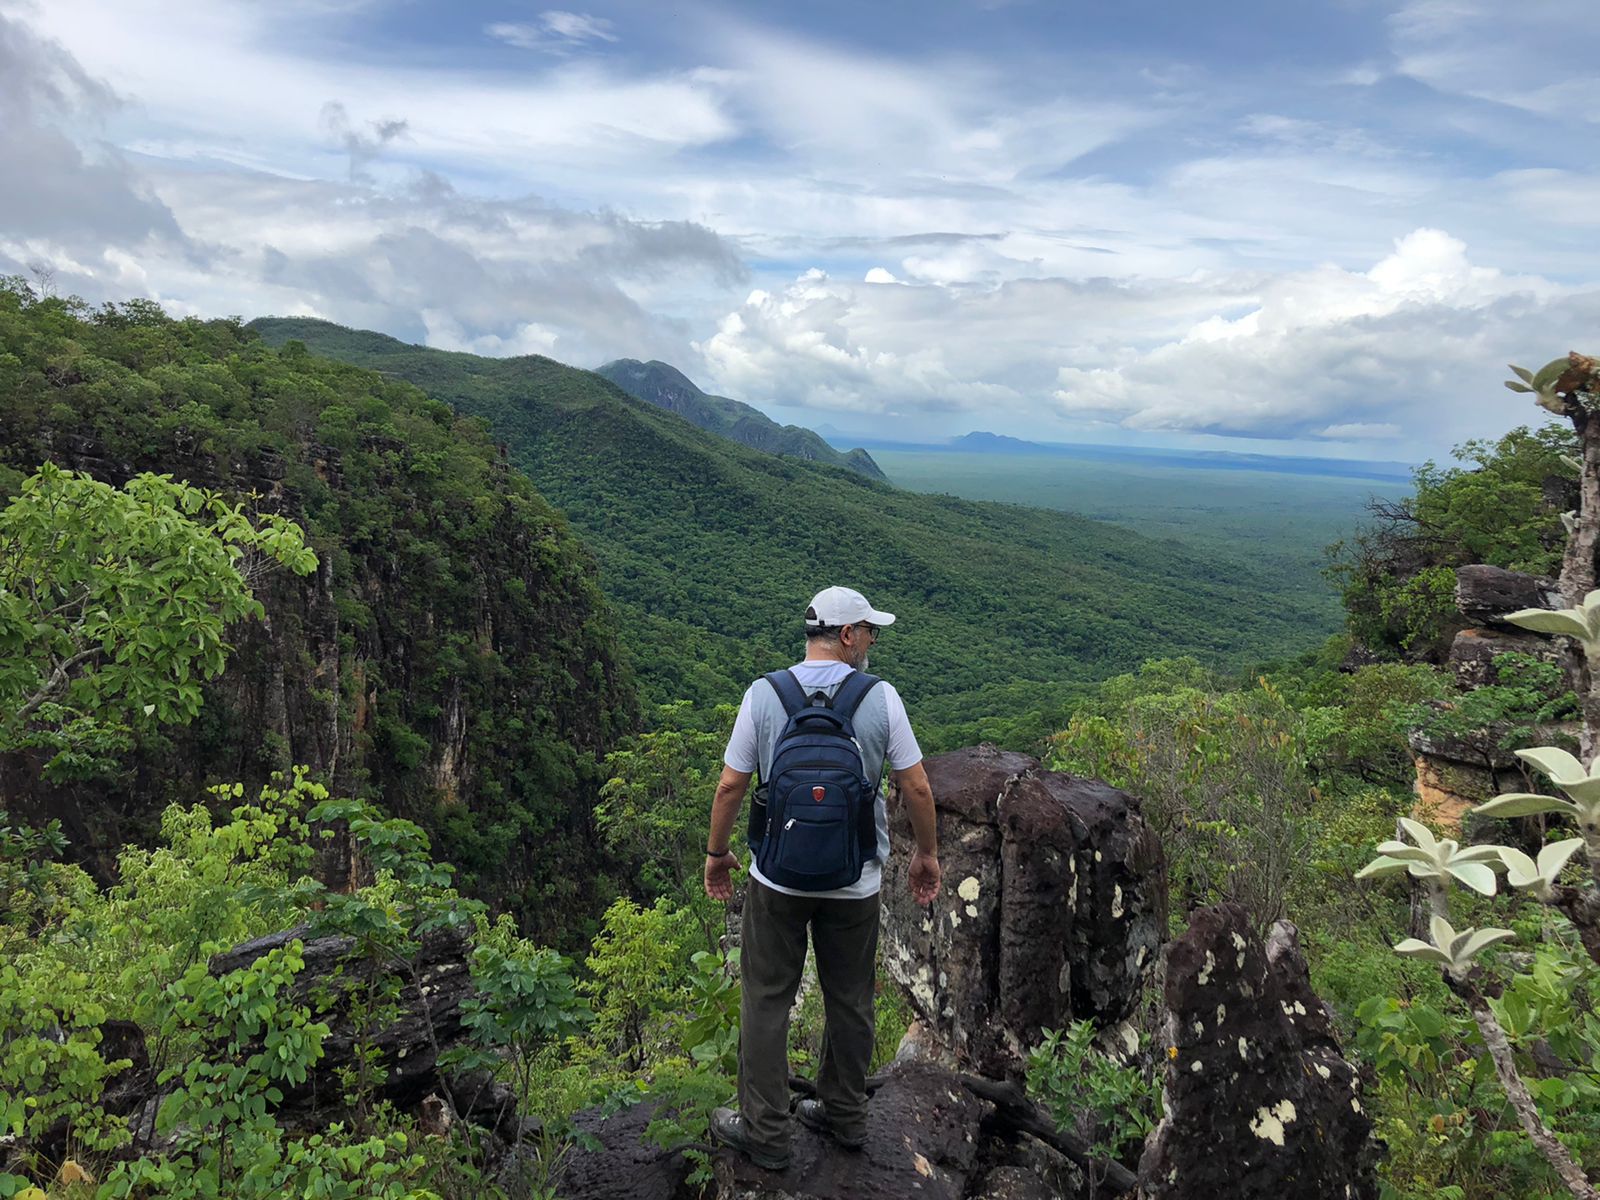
[
  {"x": 667, "y": 387},
  {"x": 708, "y": 550}
]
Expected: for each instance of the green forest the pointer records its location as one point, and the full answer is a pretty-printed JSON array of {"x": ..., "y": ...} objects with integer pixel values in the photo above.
[
  {"x": 307, "y": 630},
  {"x": 708, "y": 551}
]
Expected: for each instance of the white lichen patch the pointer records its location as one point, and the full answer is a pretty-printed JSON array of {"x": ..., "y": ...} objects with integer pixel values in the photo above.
[
  {"x": 1205, "y": 971},
  {"x": 1322, "y": 1070},
  {"x": 1238, "y": 942},
  {"x": 955, "y": 919},
  {"x": 1098, "y": 857},
  {"x": 1199, "y": 1029},
  {"x": 972, "y": 910},
  {"x": 1196, "y": 1066},
  {"x": 969, "y": 888},
  {"x": 1244, "y": 1048},
  {"x": 1222, "y": 1013},
  {"x": 1355, "y": 1105},
  {"x": 1116, "y": 901},
  {"x": 1064, "y": 979},
  {"x": 1268, "y": 1123}
]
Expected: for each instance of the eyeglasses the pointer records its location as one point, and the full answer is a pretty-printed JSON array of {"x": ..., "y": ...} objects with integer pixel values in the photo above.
[{"x": 872, "y": 630}]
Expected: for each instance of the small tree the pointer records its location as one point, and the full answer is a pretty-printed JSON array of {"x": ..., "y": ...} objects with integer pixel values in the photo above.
[{"x": 113, "y": 605}]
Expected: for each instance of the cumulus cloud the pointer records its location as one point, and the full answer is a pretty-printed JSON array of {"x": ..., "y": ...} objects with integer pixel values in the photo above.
[
  {"x": 1406, "y": 351},
  {"x": 1413, "y": 343}
]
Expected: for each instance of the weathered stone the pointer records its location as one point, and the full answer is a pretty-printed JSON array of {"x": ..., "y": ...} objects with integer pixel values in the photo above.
[
  {"x": 1259, "y": 1100},
  {"x": 620, "y": 1166},
  {"x": 1485, "y": 594},
  {"x": 1457, "y": 772},
  {"x": 1473, "y": 652},
  {"x": 921, "y": 1145},
  {"x": 1051, "y": 909}
]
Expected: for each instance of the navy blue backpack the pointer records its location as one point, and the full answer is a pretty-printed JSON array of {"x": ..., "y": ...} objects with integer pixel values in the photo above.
[{"x": 818, "y": 828}]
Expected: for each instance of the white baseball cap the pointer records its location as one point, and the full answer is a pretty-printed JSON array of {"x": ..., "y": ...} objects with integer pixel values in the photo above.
[{"x": 836, "y": 607}]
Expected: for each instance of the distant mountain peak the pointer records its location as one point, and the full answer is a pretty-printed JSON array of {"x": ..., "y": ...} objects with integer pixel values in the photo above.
[{"x": 664, "y": 386}]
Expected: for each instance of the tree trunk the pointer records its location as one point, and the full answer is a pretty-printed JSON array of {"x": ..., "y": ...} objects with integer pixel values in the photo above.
[{"x": 1578, "y": 569}]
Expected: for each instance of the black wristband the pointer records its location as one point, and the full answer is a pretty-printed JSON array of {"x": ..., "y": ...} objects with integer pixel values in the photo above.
[{"x": 710, "y": 853}]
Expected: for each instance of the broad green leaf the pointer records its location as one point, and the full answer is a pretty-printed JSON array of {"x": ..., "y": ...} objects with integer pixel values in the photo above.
[
  {"x": 1517, "y": 387},
  {"x": 1521, "y": 373},
  {"x": 1547, "y": 375},
  {"x": 1477, "y": 854},
  {"x": 1420, "y": 833},
  {"x": 1545, "y": 620},
  {"x": 1441, "y": 931},
  {"x": 1412, "y": 948},
  {"x": 1404, "y": 852},
  {"x": 1560, "y": 766},
  {"x": 1471, "y": 942},
  {"x": 1380, "y": 867},
  {"x": 1521, "y": 870},
  {"x": 1522, "y": 804},
  {"x": 1554, "y": 857},
  {"x": 1476, "y": 876}
]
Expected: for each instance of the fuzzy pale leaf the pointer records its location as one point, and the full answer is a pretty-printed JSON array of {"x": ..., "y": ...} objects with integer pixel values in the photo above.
[
  {"x": 1477, "y": 876},
  {"x": 1523, "y": 804}
]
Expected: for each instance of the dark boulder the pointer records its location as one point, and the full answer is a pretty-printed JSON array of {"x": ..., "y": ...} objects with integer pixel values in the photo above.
[
  {"x": 1485, "y": 594},
  {"x": 1260, "y": 1104},
  {"x": 1052, "y": 907}
]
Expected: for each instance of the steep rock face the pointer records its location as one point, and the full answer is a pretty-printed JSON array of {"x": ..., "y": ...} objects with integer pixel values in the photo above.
[
  {"x": 1052, "y": 907},
  {"x": 1259, "y": 1101},
  {"x": 452, "y": 656}
]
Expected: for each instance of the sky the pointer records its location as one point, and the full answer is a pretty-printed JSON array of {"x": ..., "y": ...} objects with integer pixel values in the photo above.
[{"x": 1318, "y": 228}]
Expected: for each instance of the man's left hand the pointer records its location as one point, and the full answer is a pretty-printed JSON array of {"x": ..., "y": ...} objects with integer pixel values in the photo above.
[{"x": 719, "y": 877}]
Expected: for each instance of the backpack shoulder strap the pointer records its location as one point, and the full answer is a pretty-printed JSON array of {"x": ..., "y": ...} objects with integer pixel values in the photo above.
[
  {"x": 852, "y": 692},
  {"x": 790, "y": 694}
]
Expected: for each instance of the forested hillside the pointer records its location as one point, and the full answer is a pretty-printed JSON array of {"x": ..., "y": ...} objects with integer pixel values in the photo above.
[
  {"x": 710, "y": 549},
  {"x": 667, "y": 387},
  {"x": 452, "y": 654}
]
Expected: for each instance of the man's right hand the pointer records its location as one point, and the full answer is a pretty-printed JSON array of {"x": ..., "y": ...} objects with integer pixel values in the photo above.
[
  {"x": 719, "y": 878},
  {"x": 924, "y": 877}
]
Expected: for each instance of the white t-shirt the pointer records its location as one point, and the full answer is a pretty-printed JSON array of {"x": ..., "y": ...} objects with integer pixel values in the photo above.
[{"x": 882, "y": 729}]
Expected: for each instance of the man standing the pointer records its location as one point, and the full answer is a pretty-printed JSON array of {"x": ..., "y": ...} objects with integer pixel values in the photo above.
[{"x": 840, "y": 629}]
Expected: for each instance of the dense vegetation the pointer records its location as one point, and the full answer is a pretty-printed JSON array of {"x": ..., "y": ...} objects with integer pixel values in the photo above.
[
  {"x": 1502, "y": 506},
  {"x": 669, "y": 388},
  {"x": 709, "y": 551},
  {"x": 1268, "y": 788},
  {"x": 451, "y": 654}
]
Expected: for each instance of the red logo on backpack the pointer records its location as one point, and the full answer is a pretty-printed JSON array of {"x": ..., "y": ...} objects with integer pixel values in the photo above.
[{"x": 817, "y": 793}]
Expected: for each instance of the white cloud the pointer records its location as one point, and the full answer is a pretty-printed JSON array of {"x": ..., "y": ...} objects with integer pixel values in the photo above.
[
  {"x": 1361, "y": 431},
  {"x": 555, "y": 32},
  {"x": 1539, "y": 59},
  {"x": 1410, "y": 350}
]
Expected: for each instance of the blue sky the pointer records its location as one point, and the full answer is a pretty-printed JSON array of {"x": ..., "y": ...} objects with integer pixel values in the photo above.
[{"x": 1319, "y": 227}]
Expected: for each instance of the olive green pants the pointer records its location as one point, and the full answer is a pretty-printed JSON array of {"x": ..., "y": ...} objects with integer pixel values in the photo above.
[{"x": 844, "y": 934}]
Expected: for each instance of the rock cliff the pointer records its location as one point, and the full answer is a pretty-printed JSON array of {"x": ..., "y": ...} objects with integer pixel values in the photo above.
[{"x": 452, "y": 655}]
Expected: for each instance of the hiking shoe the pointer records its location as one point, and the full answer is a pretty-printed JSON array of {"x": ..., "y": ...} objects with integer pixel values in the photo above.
[
  {"x": 814, "y": 1115},
  {"x": 728, "y": 1127}
]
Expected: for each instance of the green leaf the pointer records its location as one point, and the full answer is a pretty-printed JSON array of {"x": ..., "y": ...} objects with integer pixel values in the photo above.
[
  {"x": 1420, "y": 833},
  {"x": 1521, "y": 373},
  {"x": 1544, "y": 620},
  {"x": 1476, "y": 876},
  {"x": 1547, "y": 375},
  {"x": 1380, "y": 867},
  {"x": 1522, "y": 804},
  {"x": 1517, "y": 387},
  {"x": 1470, "y": 943}
]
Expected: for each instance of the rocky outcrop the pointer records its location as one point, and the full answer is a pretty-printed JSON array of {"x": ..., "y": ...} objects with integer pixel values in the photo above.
[
  {"x": 1458, "y": 771},
  {"x": 1485, "y": 594},
  {"x": 1052, "y": 907},
  {"x": 1473, "y": 652},
  {"x": 1259, "y": 1101}
]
